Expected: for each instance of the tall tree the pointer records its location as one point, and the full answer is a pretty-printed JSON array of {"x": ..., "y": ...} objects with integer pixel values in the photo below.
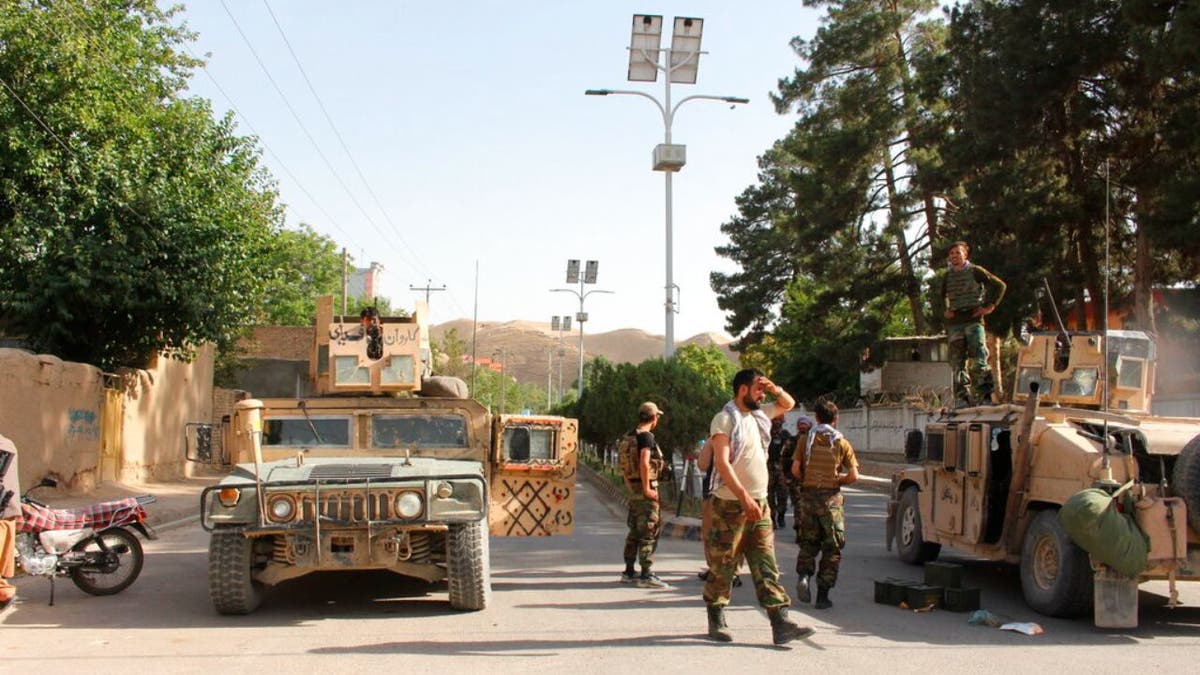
[{"x": 131, "y": 221}]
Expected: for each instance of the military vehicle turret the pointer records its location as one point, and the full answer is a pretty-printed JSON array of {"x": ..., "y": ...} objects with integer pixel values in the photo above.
[
  {"x": 373, "y": 472},
  {"x": 990, "y": 480}
]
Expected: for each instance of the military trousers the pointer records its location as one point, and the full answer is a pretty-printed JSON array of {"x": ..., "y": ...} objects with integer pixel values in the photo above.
[
  {"x": 822, "y": 531},
  {"x": 729, "y": 537},
  {"x": 645, "y": 525},
  {"x": 969, "y": 360}
]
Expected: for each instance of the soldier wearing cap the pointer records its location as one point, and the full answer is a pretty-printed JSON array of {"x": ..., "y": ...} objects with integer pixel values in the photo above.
[{"x": 645, "y": 517}]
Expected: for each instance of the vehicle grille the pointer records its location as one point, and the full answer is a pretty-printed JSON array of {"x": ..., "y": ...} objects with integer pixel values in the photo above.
[{"x": 350, "y": 506}]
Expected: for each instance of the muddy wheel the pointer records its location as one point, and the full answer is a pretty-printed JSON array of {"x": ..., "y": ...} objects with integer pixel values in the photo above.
[
  {"x": 468, "y": 566},
  {"x": 114, "y": 561},
  {"x": 1186, "y": 480},
  {"x": 231, "y": 587},
  {"x": 1056, "y": 577},
  {"x": 910, "y": 545}
]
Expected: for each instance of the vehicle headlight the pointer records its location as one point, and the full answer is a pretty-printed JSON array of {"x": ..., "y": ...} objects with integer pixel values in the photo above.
[
  {"x": 281, "y": 508},
  {"x": 445, "y": 490},
  {"x": 408, "y": 505}
]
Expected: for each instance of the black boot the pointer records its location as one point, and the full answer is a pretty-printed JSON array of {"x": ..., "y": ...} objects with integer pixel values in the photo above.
[
  {"x": 822, "y": 597},
  {"x": 717, "y": 629},
  {"x": 803, "y": 593},
  {"x": 783, "y": 629}
]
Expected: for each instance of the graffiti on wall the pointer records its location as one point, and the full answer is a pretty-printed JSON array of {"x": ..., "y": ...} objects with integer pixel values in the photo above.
[{"x": 83, "y": 424}]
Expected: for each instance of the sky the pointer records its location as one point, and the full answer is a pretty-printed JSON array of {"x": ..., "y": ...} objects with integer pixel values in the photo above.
[{"x": 437, "y": 138}]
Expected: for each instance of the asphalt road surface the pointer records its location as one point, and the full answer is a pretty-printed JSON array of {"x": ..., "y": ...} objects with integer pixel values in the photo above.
[{"x": 558, "y": 608}]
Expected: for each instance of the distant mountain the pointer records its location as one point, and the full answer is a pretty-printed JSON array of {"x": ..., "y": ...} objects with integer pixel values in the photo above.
[{"x": 531, "y": 347}]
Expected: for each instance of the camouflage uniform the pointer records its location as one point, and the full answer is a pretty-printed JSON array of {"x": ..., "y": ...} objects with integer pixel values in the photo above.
[
  {"x": 645, "y": 524},
  {"x": 963, "y": 291},
  {"x": 822, "y": 530},
  {"x": 821, "y": 518},
  {"x": 728, "y": 538}
]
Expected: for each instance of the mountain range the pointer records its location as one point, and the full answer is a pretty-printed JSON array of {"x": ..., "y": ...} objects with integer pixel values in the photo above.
[{"x": 531, "y": 349}]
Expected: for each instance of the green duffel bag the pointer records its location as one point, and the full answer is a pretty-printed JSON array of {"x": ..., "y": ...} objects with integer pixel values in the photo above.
[{"x": 1091, "y": 519}]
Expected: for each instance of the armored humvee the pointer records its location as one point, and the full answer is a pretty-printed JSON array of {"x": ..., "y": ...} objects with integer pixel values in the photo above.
[
  {"x": 366, "y": 474},
  {"x": 990, "y": 480}
]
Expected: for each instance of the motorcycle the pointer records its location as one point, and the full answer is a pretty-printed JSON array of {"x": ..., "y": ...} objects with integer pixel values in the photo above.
[{"x": 92, "y": 544}]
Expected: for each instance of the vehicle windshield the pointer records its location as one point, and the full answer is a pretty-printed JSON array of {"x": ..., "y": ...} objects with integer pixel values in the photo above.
[
  {"x": 308, "y": 432},
  {"x": 424, "y": 431}
]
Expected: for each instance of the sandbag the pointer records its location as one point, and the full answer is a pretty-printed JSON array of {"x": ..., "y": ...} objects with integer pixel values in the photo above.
[{"x": 1091, "y": 519}]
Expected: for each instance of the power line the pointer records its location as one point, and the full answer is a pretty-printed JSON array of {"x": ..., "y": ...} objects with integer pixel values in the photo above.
[{"x": 311, "y": 139}]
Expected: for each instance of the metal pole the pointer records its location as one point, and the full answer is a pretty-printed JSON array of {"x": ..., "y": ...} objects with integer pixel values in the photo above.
[
  {"x": 561, "y": 354},
  {"x": 549, "y": 371},
  {"x": 669, "y": 305},
  {"x": 503, "y": 381},
  {"x": 580, "y": 320}
]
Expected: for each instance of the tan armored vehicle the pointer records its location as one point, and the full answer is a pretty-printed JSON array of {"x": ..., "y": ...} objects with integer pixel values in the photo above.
[
  {"x": 990, "y": 480},
  {"x": 368, "y": 475}
]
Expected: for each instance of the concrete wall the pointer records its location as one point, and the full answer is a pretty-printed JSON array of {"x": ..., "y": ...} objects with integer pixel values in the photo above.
[
  {"x": 53, "y": 411},
  {"x": 880, "y": 430}
]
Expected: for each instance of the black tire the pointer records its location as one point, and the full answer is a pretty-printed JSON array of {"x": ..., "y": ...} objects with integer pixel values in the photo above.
[
  {"x": 468, "y": 566},
  {"x": 114, "y": 561},
  {"x": 231, "y": 587},
  {"x": 1056, "y": 575},
  {"x": 911, "y": 547},
  {"x": 1186, "y": 480}
]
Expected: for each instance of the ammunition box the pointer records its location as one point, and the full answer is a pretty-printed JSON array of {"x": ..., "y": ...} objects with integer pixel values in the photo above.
[
  {"x": 898, "y": 591},
  {"x": 946, "y": 575},
  {"x": 883, "y": 590},
  {"x": 924, "y": 595},
  {"x": 962, "y": 599}
]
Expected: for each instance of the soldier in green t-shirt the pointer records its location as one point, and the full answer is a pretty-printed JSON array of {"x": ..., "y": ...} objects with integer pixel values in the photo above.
[{"x": 968, "y": 293}]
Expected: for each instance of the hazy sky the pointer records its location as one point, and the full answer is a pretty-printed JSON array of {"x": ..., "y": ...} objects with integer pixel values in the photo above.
[{"x": 469, "y": 124}]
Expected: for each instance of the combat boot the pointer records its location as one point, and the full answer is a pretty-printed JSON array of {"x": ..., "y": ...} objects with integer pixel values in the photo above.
[
  {"x": 717, "y": 629},
  {"x": 803, "y": 593},
  {"x": 783, "y": 629},
  {"x": 823, "y": 601}
]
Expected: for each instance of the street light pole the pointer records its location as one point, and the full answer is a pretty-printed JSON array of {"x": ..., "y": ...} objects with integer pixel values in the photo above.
[
  {"x": 680, "y": 63},
  {"x": 573, "y": 275}
]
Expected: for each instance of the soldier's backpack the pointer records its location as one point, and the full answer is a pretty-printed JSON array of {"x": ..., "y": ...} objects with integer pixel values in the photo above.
[{"x": 628, "y": 459}]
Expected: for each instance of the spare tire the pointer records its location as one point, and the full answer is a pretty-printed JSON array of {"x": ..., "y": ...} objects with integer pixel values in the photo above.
[{"x": 1186, "y": 480}]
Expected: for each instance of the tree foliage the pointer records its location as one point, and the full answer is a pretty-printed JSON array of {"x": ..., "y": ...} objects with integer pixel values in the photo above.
[
  {"x": 131, "y": 221},
  {"x": 1016, "y": 125}
]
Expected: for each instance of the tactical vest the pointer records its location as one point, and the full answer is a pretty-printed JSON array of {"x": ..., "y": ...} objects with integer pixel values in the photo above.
[
  {"x": 629, "y": 459},
  {"x": 963, "y": 290}
]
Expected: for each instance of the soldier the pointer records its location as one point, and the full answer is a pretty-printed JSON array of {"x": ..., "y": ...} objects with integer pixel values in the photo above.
[
  {"x": 10, "y": 510},
  {"x": 803, "y": 424},
  {"x": 740, "y": 522},
  {"x": 821, "y": 456},
  {"x": 645, "y": 518},
  {"x": 777, "y": 489},
  {"x": 968, "y": 293}
]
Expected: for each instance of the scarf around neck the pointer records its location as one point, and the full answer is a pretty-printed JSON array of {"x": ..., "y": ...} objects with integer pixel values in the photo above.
[{"x": 834, "y": 437}]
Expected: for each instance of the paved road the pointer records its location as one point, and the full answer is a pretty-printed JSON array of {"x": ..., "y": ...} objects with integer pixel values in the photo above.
[{"x": 558, "y": 608}]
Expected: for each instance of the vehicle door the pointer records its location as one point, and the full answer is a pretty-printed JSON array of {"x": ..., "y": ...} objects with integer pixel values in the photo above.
[{"x": 532, "y": 483}]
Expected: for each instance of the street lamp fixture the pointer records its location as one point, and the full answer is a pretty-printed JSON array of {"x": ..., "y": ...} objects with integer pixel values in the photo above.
[
  {"x": 590, "y": 272},
  {"x": 681, "y": 67}
]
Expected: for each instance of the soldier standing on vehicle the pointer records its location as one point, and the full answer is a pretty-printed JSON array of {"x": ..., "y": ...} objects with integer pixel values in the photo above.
[
  {"x": 740, "y": 524},
  {"x": 10, "y": 510},
  {"x": 641, "y": 471},
  {"x": 821, "y": 457},
  {"x": 968, "y": 293}
]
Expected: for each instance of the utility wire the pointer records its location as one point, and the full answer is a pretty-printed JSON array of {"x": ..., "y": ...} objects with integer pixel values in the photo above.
[
  {"x": 296, "y": 116},
  {"x": 417, "y": 260}
]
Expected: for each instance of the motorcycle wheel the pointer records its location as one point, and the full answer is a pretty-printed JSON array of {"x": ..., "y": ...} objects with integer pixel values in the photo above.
[{"x": 112, "y": 561}]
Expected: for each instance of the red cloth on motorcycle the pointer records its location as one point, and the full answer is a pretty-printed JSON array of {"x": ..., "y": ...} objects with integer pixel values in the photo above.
[{"x": 97, "y": 516}]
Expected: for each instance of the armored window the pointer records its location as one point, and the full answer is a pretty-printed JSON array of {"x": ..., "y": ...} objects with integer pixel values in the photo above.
[
  {"x": 1081, "y": 383},
  {"x": 308, "y": 432},
  {"x": 419, "y": 431},
  {"x": 1129, "y": 372},
  {"x": 1028, "y": 376},
  {"x": 528, "y": 443}
]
